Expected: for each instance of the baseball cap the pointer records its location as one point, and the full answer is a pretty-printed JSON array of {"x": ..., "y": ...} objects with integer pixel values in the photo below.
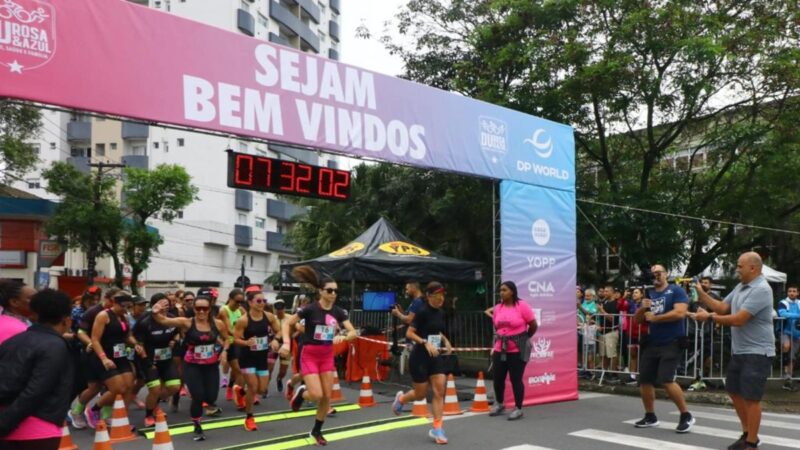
[
  {"x": 279, "y": 304},
  {"x": 253, "y": 288},
  {"x": 93, "y": 290},
  {"x": 138, "y": 300},
  {"x": 208, "y": 292}
]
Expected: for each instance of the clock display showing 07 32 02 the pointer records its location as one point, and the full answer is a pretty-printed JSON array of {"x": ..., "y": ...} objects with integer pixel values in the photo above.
[{"x": 259, "y": 173}]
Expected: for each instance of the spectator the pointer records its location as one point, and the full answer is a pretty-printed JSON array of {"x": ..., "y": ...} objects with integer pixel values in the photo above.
[
  {"x": 789, "y": 311},
  {"x": 634, "y": 330},
  {"x": 608, "y": 327},
  {"x": 15, "y": 298},
  {"x": 37, "y": 368},
  {"x": 586, "y": 315}
]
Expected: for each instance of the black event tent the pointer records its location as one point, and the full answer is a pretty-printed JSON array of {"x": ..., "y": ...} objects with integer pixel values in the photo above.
[{"x": 384, "y": 254}]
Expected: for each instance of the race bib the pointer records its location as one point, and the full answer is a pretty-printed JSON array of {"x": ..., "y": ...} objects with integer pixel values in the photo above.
[
  {"x": 324, "y": 332},
  {"x": 262, "y": 343},
  {"x": 162, "y": 354},
  {"x": 204, "y": 351},
  {"x": 435, "y": 340},
  {"x": 120, "y": 351}
]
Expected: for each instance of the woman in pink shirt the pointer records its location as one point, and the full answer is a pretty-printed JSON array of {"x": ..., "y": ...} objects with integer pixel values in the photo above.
[
  {"x": 15, "y": 298},
  {"x": 514, "y": 323}
]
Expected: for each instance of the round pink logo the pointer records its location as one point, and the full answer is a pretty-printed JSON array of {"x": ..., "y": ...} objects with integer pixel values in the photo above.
[{"x": 27, "y": 34}]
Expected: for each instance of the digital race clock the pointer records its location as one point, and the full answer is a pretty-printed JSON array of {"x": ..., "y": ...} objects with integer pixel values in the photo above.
[{"x": 259, "y": 173}]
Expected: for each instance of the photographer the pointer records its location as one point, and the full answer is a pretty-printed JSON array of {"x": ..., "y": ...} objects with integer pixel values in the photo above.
[{"x": 664, "y": 309}]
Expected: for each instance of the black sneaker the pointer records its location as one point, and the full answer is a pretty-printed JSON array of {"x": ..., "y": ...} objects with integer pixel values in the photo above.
[
  {"x": 740, "y": 444},
  {"x": 318, "y": 438},
  {"x": 279, "y": 383},
  {"x": 789, "y": 386},
  {"x": 649, "y": 421},
  {"x": 198, "y": 433},
  {"x": 685, "y": 424},
  {"x": 297, "y": 398}
]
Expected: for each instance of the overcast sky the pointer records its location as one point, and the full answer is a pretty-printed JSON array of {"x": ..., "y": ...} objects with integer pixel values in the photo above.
[{"x": 368, "y": 54}]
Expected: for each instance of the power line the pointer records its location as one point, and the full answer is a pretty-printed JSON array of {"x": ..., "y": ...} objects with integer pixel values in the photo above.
[{"x": 608, "y": 245}]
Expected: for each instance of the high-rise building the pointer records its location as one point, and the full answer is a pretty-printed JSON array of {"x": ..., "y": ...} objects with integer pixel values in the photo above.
[{"x": 225, "y": 228}]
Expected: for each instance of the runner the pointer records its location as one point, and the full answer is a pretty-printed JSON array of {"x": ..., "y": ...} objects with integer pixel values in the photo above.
[
  {"x": 111, "y": 336},
  {"x": 229, "y": 314},
  {"x": 426, "y": 364},
  {"x": 139, "y": 310},
  {"x": 255, "y": 333},
  {"x": 280, "y": 314},
  {"x": 203, "y": 337},
  {"x": 298, "y": 330},
  {"x": 317, "y": 367},
  {"x": 157, "y": 367}
]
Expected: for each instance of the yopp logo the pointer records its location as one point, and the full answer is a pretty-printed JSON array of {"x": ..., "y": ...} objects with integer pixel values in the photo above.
[
  {"x": 541, "y": 232},
  {"x": 541, "y": 350},
  {"x": 494, "y": 136},
  {"x": 27, "y": 34},
  {"x": 545, "y": 378},
  {"x": 543, "y": 147}
]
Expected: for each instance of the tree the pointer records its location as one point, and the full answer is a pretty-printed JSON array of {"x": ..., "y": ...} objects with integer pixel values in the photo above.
[
  {"x": 19, "y": 123},
  {"x": 678, "y": 106},
  {"x": 159, "y": 193}
]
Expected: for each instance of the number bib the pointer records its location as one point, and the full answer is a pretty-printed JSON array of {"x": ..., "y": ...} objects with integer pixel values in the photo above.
[
  {"x": 162, "y": 354},
  {"x": 435, "y": 340},
  {"x": 120, "y": 351},
  {"x": 202, "y": 352},
  {"x": 262, "y": 343},
  {"x": 324, "y": 333}
]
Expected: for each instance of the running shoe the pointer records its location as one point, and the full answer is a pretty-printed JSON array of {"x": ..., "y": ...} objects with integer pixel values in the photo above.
[
  {"x": 229, "y": 393},
  {"x": 789, "y": 386},
  {"x": 279, "y": 383},
  {"x": 77, "y": 420},
  {"x": 184, "y": 392},
  {"x": 238, "y": 397},
  {"x": 149, "y": 421},
  {"x": 198, "y": 433},
  {"x": 741, "y": 443},
  {"x": 516, "y": 414},
  {"x": 649, "y": 420},
  {"x": 256, "y": 401},
  {"x": 297, "y": 398},
  {"x": 213, "y": 411},
  {"x": 397, "y": 405},
  {"x": 437, "y": 434},
  {"x": 318, "y": 438},
  {"x": 332, "y": 412},
  {"x": 698, "y": 385},
  {"x": 250, "y": 424},
  {"x": 685, "y": 424},
  {"x": 289, "y": 391},
  {"x": 92, "y": 417},
  {"x": 497, "y": 409}
]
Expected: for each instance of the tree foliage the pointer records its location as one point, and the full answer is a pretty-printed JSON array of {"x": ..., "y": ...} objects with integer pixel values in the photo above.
[
  {"x": 678, "y": 106},
  {"x": 18, "y": 125}
]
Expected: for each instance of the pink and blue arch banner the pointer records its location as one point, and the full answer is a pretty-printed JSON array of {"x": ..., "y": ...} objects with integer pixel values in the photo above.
[
  {"x": 123, "y": 59},
  {"x": 538, "y": 253}
]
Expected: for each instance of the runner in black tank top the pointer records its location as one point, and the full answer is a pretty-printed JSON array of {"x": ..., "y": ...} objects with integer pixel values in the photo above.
[{"x": 255, "y": 333}]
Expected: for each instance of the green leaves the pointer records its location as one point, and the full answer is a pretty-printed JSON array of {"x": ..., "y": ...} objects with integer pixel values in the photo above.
[{"x": 18, "y": 125}]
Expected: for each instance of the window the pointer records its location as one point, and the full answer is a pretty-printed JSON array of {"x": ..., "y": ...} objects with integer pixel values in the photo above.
[
  {"x": 322, "y": 36},
  {"x": 263, "y": 21},
  {"x": 36, "y": 148},
  {"x": 280, "y": 229},
  {"x": 100, "y": 149},
  {"x": 179, "y": 215},
  {"x": 180, "y": 142},
  {"x": 166, "y": 147},
  {"x": 261, "y": 222},
  {"x": 155, "y": 144},
  {"x": 113, "y": 145},
  {"x": 52, "y": 146},
  {"x": 242, "y": 219},
  {"x": 157, "y": 4},
  {"x": 76, "y": 152},
  {"x": 34, "y": 184},
  {"x": 251, "y": 260}
]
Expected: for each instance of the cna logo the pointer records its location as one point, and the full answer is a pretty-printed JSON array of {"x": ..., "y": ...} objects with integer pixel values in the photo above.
[
  {"x": 494, "y": 136},
  {"x": 27, "y": 34},
  {"x": 537, "y": 289},
  {"x": 541, "y": 350},
  {"x": 543, "y": 148},
  {"x": 541, "y": 232},
  {"x": 545, "y": 378}
]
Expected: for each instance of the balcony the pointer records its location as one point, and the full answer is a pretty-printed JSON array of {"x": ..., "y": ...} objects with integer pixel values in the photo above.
[
  {"x": 135, "y": 130},
  {"x": 293, "y": 24},
  {"x": 79, "y": 131},
  {"x": 334, "y": 4},
  {"x": 243, "y": 235},
  {"x": 305, "y": 156},
  {"x": 283, "y": 211},
  {"x": 333, "y": 54},
  {"x": 137, "y": 161},
  {"x": 310, "y": 9},
  {"x": 333, "y": 30},
  {"x": 246, "y": 22},
  {"x": 244, "y": 200},
  {"x": 79, "y": 162},
  {"x": 276, "y": 39},
  {"x": 275, "y": 243}
]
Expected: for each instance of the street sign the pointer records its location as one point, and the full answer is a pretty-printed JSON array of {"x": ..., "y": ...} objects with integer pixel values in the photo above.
[
  {"x": 243, "y": 281},
  {"x": 49, "y": 251}
]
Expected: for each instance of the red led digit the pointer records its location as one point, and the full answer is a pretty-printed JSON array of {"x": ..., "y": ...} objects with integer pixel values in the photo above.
[
  {"x": 325, "y": 187},
  {"x": 303, "y": 180},
  {"x": 343, "y": 183},
  {"x": 289, "y": 177},
  {"x": 244, "y": 170},
  {"x": 267, "y": 171}
]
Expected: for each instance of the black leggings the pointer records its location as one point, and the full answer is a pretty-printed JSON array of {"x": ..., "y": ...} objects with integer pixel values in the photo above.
[
  {"x": 202, "y": 380},
  {"x": 514, "y": 367}
]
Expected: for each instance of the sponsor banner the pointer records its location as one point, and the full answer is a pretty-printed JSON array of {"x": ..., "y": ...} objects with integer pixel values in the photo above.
[
  {"x": 145, "y": 64},
  {"x": 538, "y": 254}
]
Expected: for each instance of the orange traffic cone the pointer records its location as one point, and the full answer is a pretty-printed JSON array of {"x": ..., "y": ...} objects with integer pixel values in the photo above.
[
  {"x": 162, "y": 439},
  {"x": 101, "y": 439},
  {"x": 365, "y": 398},
  {"x": 481, "y": 403},
  {"x": 421, "y": 409},
  {"x": 451, "y": 407},
  {"x": 66, "y": 440},
  {"x": 120, "y": 425},
  {"x": 336, "y": 394}
]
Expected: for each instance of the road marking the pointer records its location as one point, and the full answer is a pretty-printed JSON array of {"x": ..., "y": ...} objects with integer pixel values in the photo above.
[
  {"x": 633, "y": 440},
  {"x": 767, "y": 414},
  {"x": 591, "y": 395},
  {"x": 526, "y": 447},
  {"x": 734, "y": 419},
  {"x": 175, "y": 430},
  {"x": 731, "y": 434}
]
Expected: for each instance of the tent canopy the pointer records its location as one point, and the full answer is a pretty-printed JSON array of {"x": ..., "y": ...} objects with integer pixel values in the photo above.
[
  {"x": 382, "y": 253},
  {"x": 773, "y": 275}
]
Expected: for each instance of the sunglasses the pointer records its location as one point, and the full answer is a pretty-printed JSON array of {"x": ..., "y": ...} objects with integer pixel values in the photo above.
[
  {"x": 202, "y": 308},
  {"x": 331, "y": 290},
  {"x": 259, "y": 300}
]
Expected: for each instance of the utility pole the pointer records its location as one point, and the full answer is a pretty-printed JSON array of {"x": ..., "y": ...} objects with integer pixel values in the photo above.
[{"x": 92, "y": 253}]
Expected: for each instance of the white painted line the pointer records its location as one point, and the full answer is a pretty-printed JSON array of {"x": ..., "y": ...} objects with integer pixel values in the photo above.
[
  {"x": 591, "y": 395},
  {"x": 767, "y": 414},
  {"x": 633, "y": 440},
  {"x": 526, "y": 447},
  {"x": 461, "y": 416},
  {"x": 734, "y": 419},
  {"x": 731, "y": 434}
]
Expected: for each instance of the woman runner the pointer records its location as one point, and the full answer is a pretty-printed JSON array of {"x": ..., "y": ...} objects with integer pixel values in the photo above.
[
  {"x": 317, "y": 367},
  {"x": 229, "y": 314}
]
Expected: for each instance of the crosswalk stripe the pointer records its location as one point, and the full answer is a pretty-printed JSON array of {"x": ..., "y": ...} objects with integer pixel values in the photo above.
[
  {"x": 767, "y": 414},
  {"x": 526, "y": 447},
  {"x": 591, "y": 395},
  {"x": 633, "y": 440},
  {"x": 734, "y": 419},
  {"x": 731, "y": 434}
]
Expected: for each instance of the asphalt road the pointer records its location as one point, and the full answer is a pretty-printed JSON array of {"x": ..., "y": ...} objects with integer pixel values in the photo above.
[{"x": 597, "y": 421}]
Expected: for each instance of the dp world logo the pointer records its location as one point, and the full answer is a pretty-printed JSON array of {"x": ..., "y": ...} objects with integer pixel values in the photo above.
[
  {"x": 541, "y": 350},
  {"x": 494, "y": 136},
  {"x": 27, "y": 34},
  {"x": 541, "y": 232},
  {"x": 543, "y": 147}
]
